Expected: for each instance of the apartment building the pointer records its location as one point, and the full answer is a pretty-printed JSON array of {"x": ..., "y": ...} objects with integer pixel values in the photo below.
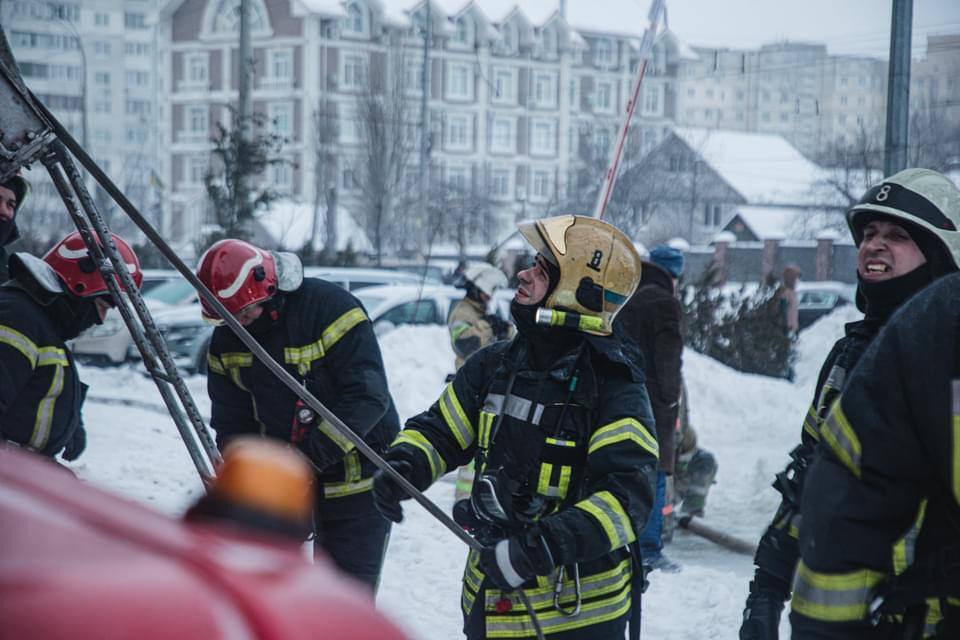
[
  {"x": 93, "y": 64},
  {"x": 514, "y": 95}
]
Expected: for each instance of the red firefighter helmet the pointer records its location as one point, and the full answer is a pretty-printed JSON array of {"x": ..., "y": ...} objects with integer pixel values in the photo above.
[
  {"x": 240, "y": 275},
  {"x": 71, "y": 260}
]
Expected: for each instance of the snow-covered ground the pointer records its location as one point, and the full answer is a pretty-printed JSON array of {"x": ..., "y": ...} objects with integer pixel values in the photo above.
[{"x": 749, "y": 422}]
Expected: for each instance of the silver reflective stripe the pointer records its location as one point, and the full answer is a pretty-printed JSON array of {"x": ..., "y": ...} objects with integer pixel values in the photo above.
[
  {"x": 502, "y": 553},
  {"x": 45, "y": 411},
  {"x": 453, "y": 414},
  {"x": 835, "y": 597},
  {"x": 836, "y": 378},
  {"x": 955, "y": 384},
  {"x": 553, "y": 621},
  {"x": 841, "y": 438},
  {"x": 540, "y": 598},
  {"x": 517, "y": 407}
]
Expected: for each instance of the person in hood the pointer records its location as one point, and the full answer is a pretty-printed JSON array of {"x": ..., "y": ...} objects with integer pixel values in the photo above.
[
  {"x": 322, "y": 336},
  {"x": 46, "y": 303},
  {"x": 652, "y": 318},
  {"x": 559, "y": 425},
  {"x": 13, "y": 193},
  {"x": 905, "y": 231}
]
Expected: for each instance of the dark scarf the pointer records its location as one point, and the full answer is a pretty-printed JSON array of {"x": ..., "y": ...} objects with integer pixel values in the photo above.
[
  {"x": 270, "y": 317},
  {"x": 73, "y": 315},
  {"x": 546, "y": 345},
  {"x": 878, "y": 300},
  {"x": 8, "y": 231}
]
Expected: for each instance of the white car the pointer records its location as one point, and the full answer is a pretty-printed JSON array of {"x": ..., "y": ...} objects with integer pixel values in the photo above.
[{"x": 392, "y": 306}]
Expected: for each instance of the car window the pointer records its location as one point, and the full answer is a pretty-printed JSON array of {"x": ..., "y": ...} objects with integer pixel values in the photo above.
[
  {"x": 170, "y": 292},
  {"x": 416, "y": 312},
  {"x": 817, "y": 299}
]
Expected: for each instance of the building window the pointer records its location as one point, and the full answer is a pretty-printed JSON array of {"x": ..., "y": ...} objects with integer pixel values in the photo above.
[
  {"x": 458, "y": 133},
  {"x": 281, "y": 119},
  {"x": 573, "y": 94},
  {"x": 548, "y": 43},
  {"x": 196, "y": 170},
  {"x": 348, "y": 180},
  {"x": 282, "y": 176},
  {"x": 413, "y": 76},
  {"x": 712, "y": 215},
  {"x": 354, "y": 22},
  {"x": 101, "y": 78},
  {"x": 508, "y": 38},
  {"x": 542, "y": 185},
  {"x": 350, "y": 128},
  {"x": 504, "y": 86},
  {"x": 458, "y": 82},
  {"x": 601, "y": 140},
  {"x": 198, "y": 120},
  {"x": 463, "y": 32},
  {"x": 197, "y": 69},
  {"x": 604, "y": 100},
  {"x": 603, "y": 53},
  {"x": 651, "y": 101},
  {"x": 101, "y": 19},
  {"x": 137, "y": 78},
  {"x": 102, "y": 48},
  {"x": 134, "y": 21},
  {"x": 354, "y": 71},
  {"x": 102, "y": 136},
  {"x": 544, "y": 137},
  {"x": 785, "y": 117},
  {"x": 765, "y": 116},
  {"x": 500, "y": 183},
  {"x": 281, "y": 64},
  {"x": 544, "y": 92},
  {"x": 691, "y": 92},
  {"x": 457, "y": 177},
  {"x": 503, "y": 136}
]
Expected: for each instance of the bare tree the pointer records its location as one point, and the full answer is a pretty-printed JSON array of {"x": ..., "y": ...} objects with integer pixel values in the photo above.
[
  {"x": 461, "y": 214},
  {"x": 385, "y": 154},
  {"x": 325, "y": 170},
  {"x": 852, "y": 164}
]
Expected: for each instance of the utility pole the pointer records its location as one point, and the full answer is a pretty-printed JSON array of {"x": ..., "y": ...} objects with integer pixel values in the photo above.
[
  {"x": 898, "y": 88},
  {"x": 425, "y": 114},
  {"x": 246, "y": 71}
]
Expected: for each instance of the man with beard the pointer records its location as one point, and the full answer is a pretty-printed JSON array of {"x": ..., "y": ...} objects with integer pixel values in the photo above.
[
  {"x": 905, "y": 230},
  {"x": 320, "y": 333},
  {"x": 13, "y": 193},
  {"x": 559, "y": 425},
  {"x": 44, "y": 304}
]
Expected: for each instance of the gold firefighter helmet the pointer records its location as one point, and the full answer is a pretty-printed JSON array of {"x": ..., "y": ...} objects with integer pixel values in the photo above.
[{"x": 599, "y": 266}]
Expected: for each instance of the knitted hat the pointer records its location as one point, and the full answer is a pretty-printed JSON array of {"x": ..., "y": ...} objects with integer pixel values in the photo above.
[{"x": 668, "y": 258}]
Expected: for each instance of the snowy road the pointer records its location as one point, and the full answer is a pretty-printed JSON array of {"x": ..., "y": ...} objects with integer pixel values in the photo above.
[{"x": 749, "y": 422}]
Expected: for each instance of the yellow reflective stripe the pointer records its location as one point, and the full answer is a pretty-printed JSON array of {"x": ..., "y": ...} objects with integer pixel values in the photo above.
[
  {"x": 456, "y": 419},
  {"x": 351, "y": 467},
  {"x": 612, "y": 517},
  {"x": 625, "y": 429},
  {"x": 11, "y": 337},
  {"x": 214, "y": 365},
  {"x": 331, "y": 432},
  {"x": 342, "y": 489},
  {"x": 553, "y": 621},
  {"x": 472, "y": 578},
  {"x": 842, "y": 439},
  {"x": 339, "y": 327},
  {"x": 561, "y": 443},
  {"x": 457, "y": 329},
  {"x": 303, "y": 357},
  {"x": 598, "y": 584},
  {"x": 45, "y": 410},
  {"x": 52, "y": 356},
  {"x": 416, "y": 439},
  {"x": 486, "y": 424},
  {"x": 558, "y": 490},
  {"x": 810, "y": 424},
  {"x": 543, "y": 482},
  {"x": 236, "y": 359},
  {"x": 833, "y": 597},
  {"x": 956, "y": 439},
  {"x": 905, "y": 547},
  {"x": 934, "y": 616}
]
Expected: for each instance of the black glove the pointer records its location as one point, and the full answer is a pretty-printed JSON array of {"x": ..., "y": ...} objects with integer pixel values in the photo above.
[
  {"x": 511, "y": 562},
  {"x": 500, "y": 327},
  {"x": 76, "y": 445},
  {"x": 387, "y": 493},
  {"x": 761, "y": 617}
]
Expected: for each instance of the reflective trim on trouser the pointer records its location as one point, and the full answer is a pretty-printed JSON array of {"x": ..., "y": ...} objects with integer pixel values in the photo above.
[{"x": 834, "y": 597}]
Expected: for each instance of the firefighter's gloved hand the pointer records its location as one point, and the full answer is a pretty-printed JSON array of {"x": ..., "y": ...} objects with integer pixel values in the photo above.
[
  {"x": 761, "y": 617},
  {"x": 387, "y": 493},
  {"x": 500, "y": 327},
  {"x": 511, "y": 562},
  {"x": 76, "y": 445}
]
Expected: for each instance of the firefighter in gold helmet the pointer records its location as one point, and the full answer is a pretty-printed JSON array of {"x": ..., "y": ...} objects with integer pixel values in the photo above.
[{"x": 559, "y": 425}]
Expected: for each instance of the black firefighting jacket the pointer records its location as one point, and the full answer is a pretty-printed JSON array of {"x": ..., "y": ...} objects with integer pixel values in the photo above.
[
  {"x": 40, "y": 391},
  {"x": 882, "y": 494},
  {"x": 573, "y": 445},
  {"x": 323, "y": 338},
  {"x": 778, "y": 553}
]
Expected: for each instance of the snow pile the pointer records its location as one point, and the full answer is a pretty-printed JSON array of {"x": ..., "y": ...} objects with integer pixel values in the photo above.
[{"x": 749, "y": 422}]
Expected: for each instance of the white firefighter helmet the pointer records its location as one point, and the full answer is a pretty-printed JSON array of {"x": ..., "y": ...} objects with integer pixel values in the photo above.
[
  {"x": 485, "y": 277},
  {"x": 599, "y": 266},
  {"x": 925, "y": 198}
]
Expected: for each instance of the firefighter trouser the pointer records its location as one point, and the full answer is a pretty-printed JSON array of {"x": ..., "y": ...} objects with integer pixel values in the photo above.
[{"x": 356, "y": 545}]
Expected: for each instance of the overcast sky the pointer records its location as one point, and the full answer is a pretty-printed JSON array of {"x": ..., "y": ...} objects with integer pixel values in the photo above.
[{"x": 845, "y": 26}]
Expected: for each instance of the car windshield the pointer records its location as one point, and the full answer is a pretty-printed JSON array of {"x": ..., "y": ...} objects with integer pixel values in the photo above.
[
  {"x": 369, "y": 301},
  {"x": 172, "y": 292}
]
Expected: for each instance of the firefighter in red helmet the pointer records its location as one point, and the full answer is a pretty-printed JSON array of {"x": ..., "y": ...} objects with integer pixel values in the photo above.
[
  {"x": 321, "y": 334},
  {"x": 45, "y": 303}
]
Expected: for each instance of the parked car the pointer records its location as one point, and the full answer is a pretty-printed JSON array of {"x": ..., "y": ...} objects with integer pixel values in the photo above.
[
  {"x": 353, "y": 279},
  {"x": 817, "y": 299},
  {"x": 111, "y": 341},
  {"x": 389, "y": 307},
  {"x": 155, "y": 277}
]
